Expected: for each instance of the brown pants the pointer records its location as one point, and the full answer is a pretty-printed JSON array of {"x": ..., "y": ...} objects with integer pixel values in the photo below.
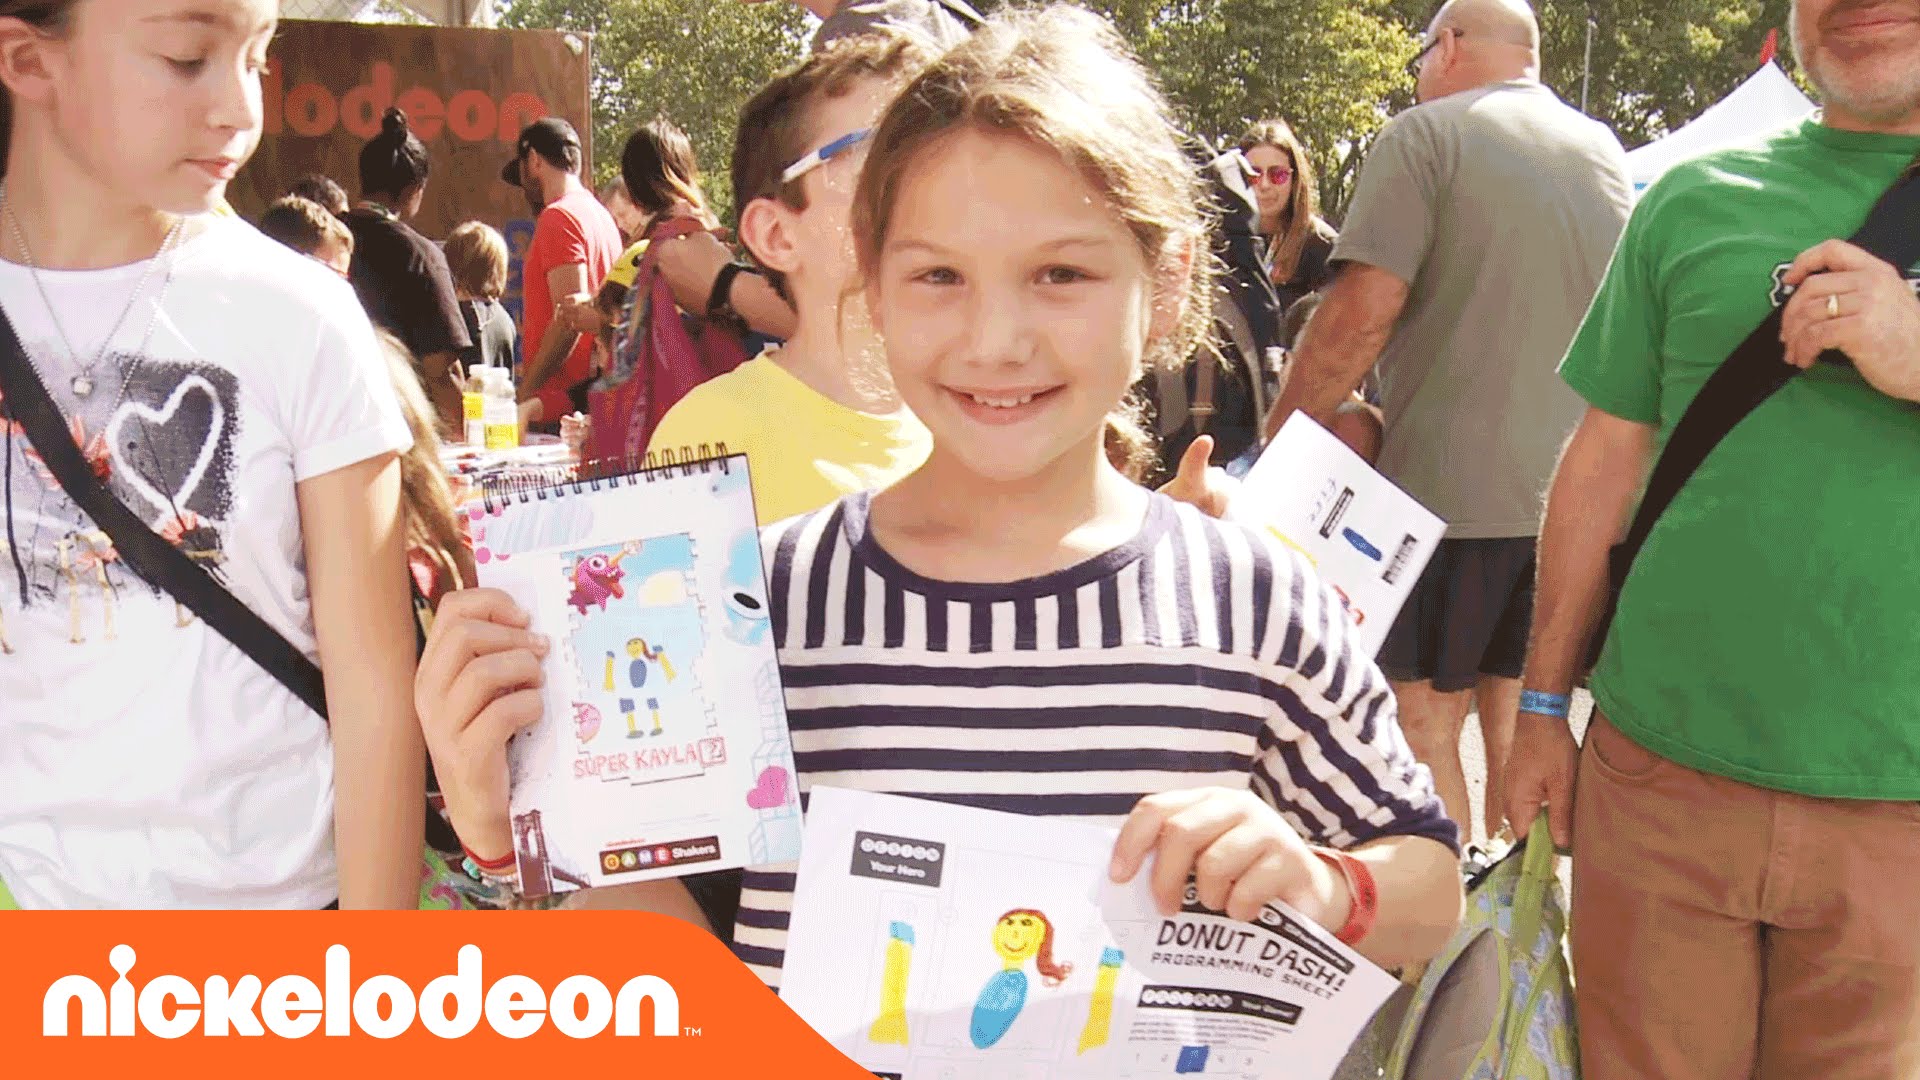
[{"x": 1725, "y": 932}]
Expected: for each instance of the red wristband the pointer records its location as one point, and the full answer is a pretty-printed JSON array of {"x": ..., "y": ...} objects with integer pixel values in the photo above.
[
  {"x": 1365, "y": 905},
  {"x": 498, "y": 866}
]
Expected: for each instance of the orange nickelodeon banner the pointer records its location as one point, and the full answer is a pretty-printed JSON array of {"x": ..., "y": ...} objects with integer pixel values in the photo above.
[{"x": 295, "y": 994}]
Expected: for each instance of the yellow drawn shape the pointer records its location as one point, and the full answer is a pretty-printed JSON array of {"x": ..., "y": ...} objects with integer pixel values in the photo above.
[{"x": 1285, "y": 539}]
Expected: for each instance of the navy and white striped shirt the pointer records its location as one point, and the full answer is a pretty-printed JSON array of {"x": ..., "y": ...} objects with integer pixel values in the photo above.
[{"x": 1199, "y": 654}]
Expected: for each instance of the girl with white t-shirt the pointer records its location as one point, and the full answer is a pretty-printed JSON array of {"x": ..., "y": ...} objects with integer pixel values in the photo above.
[{"x": 233, "y": 395}]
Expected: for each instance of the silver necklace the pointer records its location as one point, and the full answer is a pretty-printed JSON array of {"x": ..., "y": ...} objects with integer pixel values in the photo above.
[{"x": 83, "y": 379}]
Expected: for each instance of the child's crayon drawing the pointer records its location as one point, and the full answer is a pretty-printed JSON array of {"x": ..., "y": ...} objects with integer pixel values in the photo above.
[
  {"x": 637, "y": 634},
  {"x": 1021, "y": 935}
]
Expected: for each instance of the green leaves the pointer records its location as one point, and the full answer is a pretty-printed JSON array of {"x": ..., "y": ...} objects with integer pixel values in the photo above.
[
  {"x": 1657, "y": 64},
  {"x": 1330, "y": 68},
  {"x": 1334, "y": 69},
  {"x": 695, "y": 61}
]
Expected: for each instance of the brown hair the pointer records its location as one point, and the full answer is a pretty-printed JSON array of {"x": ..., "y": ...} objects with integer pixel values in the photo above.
[
  {"x": 1052, "y": 972},
  {"x": 1061, "y": 78},
  {"x": 47, "y": 16},
  {"x": 1131, "y": 448},
  {"x": 304, "y": 225},
  {"x": 776, "y": 125},
  {"x": 477, "y": 260},
  {"x": 1303, "y": 205},
  {"x": 658, "y": 167},
  {"x": 433, "y": 527}
]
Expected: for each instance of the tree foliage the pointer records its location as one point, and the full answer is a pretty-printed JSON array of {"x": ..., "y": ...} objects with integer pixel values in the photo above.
[
  {"x": 1330, "y": 68},
  {"x": 1334, "y": 69},
  {"x": 1657, "y": 64},
  {"x": 695, "y": 61}
]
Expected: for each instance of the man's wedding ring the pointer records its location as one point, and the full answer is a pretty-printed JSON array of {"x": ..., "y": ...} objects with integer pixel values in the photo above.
[{"x": 1833, "y": 305}]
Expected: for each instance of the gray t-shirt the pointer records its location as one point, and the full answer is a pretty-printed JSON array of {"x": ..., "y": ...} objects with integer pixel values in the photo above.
[
  {"x": 931, "y": 19},
  {"x": 1500, "y": 207}
]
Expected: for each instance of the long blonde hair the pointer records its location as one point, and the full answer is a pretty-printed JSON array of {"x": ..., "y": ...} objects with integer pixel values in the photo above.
[
  {"x": 1303, "y": 206},
  {"x": 433, "y": 526}
]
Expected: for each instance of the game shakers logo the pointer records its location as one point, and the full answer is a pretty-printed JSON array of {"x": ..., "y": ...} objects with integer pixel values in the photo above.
[{"x": 380, "y": 1006}]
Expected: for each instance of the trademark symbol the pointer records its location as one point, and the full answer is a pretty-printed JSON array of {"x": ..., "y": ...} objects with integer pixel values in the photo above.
[{"x": 693, "y": 1031}]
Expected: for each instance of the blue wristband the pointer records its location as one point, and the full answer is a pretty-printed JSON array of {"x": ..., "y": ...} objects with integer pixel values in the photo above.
[{"x": 1545, "y": 704}]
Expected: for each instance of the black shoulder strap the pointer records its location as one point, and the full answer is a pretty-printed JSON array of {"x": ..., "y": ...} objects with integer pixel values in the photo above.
[
  {"x": 150, "y": 556},
  {"x": 1758, "y": 367}
]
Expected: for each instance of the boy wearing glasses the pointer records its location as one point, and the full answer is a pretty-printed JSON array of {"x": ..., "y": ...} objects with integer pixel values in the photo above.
[{"x": 816, "y": 416}]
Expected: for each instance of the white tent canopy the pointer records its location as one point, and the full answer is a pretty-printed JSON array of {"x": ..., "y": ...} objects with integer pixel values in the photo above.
[{"x": 1767, "y": 101}]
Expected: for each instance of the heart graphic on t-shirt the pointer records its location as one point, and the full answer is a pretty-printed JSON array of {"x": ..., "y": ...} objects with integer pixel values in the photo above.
[{"x": 168, "y": 454}]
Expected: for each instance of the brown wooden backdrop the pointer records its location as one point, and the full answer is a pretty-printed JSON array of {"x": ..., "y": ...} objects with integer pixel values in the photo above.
[{"x": 467, "y": 93}]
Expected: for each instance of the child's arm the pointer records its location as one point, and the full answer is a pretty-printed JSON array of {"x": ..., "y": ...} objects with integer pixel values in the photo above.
[
  {"x": 1242, "y": 854},
  {"x": 479, "y": 684},
  {"x": 1336, "y": 773},
  {"x": 692, "y": 262},
  {"x": 357, "y": 575}
]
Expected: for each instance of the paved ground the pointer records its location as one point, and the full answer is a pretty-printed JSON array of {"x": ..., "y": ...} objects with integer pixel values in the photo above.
[{"x": 1364, "y": 1063}]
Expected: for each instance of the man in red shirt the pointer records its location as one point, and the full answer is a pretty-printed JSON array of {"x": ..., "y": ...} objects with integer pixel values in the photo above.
[{"x": 575, "y": 242}]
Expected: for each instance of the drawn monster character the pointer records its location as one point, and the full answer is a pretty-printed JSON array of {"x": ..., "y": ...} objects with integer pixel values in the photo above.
[
  {"x": 598, "y": 579},
  {"x": 1021, "y": 935}
]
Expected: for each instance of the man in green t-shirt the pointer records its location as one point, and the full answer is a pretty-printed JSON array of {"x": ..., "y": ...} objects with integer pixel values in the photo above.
[{"x": 1749, "y": 797}]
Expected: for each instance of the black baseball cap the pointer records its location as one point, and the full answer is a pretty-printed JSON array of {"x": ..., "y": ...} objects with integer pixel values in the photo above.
[{"x": 550, "y": 137}]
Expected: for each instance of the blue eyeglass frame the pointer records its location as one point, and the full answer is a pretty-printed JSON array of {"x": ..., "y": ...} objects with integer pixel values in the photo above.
[{"x": 825, "y": 154}]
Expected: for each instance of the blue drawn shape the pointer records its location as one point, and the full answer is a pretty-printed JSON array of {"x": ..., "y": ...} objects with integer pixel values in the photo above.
[
  {"x": 1193, "y": 1059},
  {"x": 746, "y": 607},
  {"x": 1361, "y": 544},
  {"x": 998, "y": 1006}
]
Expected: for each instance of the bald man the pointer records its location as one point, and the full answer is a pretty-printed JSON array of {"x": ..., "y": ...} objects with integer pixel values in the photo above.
[{"x": 1482, "y": 222}]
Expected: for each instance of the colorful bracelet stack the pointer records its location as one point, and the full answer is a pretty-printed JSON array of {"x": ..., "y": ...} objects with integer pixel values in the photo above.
[
  {"x": 503, "y": 871},
  {"x": 1541, "y": 703}
]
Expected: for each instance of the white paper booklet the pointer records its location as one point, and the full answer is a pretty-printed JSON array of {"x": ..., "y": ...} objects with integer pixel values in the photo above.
[
  {"x": 664, "y": 748},
  {"x": 936, "y": 942},
  {"x": 1363, "y": 535}
]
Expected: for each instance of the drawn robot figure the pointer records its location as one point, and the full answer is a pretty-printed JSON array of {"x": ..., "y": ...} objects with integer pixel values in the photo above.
[
  {"x": 891, "y": 1025},
  {"x": 1100, "y": 1010},
  {"x": 640, "y": 657},
  {"x": 1021, "y": 935}
]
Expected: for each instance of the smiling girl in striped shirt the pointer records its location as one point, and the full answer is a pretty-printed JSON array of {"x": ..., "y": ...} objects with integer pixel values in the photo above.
[{"x": 1016, "y": 625}]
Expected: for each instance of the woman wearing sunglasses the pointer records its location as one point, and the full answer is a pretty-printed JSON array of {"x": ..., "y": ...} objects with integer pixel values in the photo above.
[{"x": 1299, "y": 241}]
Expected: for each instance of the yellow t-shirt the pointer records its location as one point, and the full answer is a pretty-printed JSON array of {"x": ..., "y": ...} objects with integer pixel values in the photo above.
[{"x": 804, "y": 448}]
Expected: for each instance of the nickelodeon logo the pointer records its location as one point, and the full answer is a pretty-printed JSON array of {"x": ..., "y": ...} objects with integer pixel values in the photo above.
[
  {"x": 311, "y": 110},
  {"x": 380, "y": 1007}
]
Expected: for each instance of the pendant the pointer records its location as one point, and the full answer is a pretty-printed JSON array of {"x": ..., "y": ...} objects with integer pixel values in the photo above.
[{"x": 82, "y": 386}]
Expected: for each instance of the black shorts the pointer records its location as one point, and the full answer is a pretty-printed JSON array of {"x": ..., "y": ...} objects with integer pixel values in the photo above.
[{"x": 1468, "y": 616}]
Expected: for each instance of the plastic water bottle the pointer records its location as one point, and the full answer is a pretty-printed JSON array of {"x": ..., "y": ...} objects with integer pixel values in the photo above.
[
  {"x": 502, "y": 410},
  {"x": 473, "y": 406}
]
